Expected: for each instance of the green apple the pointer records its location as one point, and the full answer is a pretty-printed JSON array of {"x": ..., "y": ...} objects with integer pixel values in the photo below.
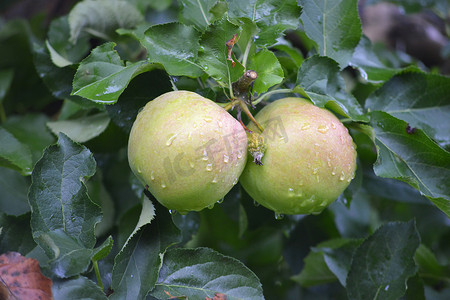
[
  {"x": 309, "y": 160},
  {"x": 187, "y": 149}
]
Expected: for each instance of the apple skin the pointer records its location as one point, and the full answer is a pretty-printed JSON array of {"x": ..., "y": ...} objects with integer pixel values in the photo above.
[
  {"x": 187, "y": 149},
  {"x": 309, "y": 161}
]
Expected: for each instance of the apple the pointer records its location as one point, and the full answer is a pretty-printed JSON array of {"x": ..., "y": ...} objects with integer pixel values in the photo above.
[
  {"x": 188, "y": 150},
  {"x": 309, "y": 158}
]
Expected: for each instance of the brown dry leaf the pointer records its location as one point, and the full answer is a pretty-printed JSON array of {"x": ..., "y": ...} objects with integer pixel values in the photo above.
[
  {"x": 23, "y": 279},
  {"x": 217, "y": 296}
]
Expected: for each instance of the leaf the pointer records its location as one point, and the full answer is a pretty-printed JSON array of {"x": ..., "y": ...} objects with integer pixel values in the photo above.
[
  {"x": 102, "y": 17},
  {"x": 103, "y": 250},
  {"x": 412, "y": 158},
  {"x": 327, "y": 262},
  {"x": 175, "y": 46},
  {"x": 137, "y": 264},
  {"x": 428, "y": 263},
  {"x": 103, "y": 76},
  {"x": 214, "y": 273},
  {"x": 384, "y": 262},
  {"x": 78, "y": 288},
  {"x": 63, "y": 217},
  {"x": 30, "y": 130},
  {"x": 58, "y": 39},
  {"x": 6, "y": 77},
  {"x": 141, "y": 90},
  {"x": 319, "y": 80},
  {"x": 15, "y": 234},
  {"x": 14, "y": 187},
  {"x": 13, "y": 153},
  {"x": 81, "y": 129},
  {"x": 269, "y": 70},
  {"x": 422, "y": 100},
  {"x": 213, "y": 54},
  {"x": 23, "y": 277},
  {"x": 272, "y": 17},
  {"x": 101, "y": 196},
  {"x": 334, "y": 26},
  {"x": 368, "y": 63},
  {"x": 199, "y": 12}
]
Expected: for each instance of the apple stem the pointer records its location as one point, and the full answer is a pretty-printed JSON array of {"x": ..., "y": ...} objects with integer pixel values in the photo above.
[{"x": 244, "y": 107}]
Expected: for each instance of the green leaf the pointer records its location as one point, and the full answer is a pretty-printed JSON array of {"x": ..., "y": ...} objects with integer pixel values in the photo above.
[
  {"x": 75, "y": 289},
  {"x": 103, "y": 250},
  {"x": 422, "y": 100},
  {"x": 272, "y": 17},
  {"x": 315, "y": 271},
  {"x": 137, "y": 264},
  {"x": 368, "y": 63},
  {"x": 213, "y": 54},
  {"x": 81, "y": 129},
  {"x": 15, "y": 234},
  {"x": 6, "y": 77},
  {"x": 334, "y": 26},
  {"x": 63, "y": 217},
  {"x": 101, "y": 17},
  {"x": 199, "y": 12},
  {"x": 30, "y": 129},
  {"x": 383, "y": 263},
  {"x": 327, "y": 262},
  {"x": 269, "y": 70},
  {"x": 14, "y": 187},
  {"x": 103, "y": 76},
  {"x": 58, "y": 39},
  {"x": 428, "y": 264},
  {"x": 413, "y": 158},
  {"x": 319, "y": 80},
  {"x": 175, "y": 46},
  {"x": 13, "y": 153},
  {"x": 101, "y": 196},
  {"x": 214, "y": 273}
]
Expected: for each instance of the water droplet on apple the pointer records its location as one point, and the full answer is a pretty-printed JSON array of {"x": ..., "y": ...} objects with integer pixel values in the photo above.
[
  {"x": 239, "y": 154},
  {"x": 342, "y": 177},
  {"x": 255, "y": 203},
  {"x": 207, "y": 119},
  {"x": 139, "y": 170},
  {"x": 333, "y": 125},
  {"x": 305, "y": 126},
  {"x": 209, "y": 167},
  {"x": 322, "y": 128},
  {"x": 219, "y": 123},
  {"x": 211, "y": 206},
  {"x": 204, "y": 155},
  {"x": 191, "y": 164},
  {"x": 315, "y": 170},
  {"x": 189, "y": 135},
  {"x": 219, "y": 201},
  {"x": 214, "y": 180},
  {"x": 163, "y": 184},
  {"x": 170, "y": 140},
  {"x": 235, "y": 181},
  {"x": 226, "y": 158},
  {"x": 172, "y": 211},
  {"x": 152, "y": 176},
  {"x": 291, "y": 192}
]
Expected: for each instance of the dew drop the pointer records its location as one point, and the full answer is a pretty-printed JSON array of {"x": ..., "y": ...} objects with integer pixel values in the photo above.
[
  {"x": 214, "y": 180},
  {"x": 139, "y": 170},
  {"x": 349, "y": 179},
  {"x": 342, "y": 177},
  {"x": 317, "y": 145},
  {"x": 191, "y": 164},
  {"x": 207, "y": 119},
  {"x": 172, "y": 211},
  {"x": 189, "y": 135},
  {"x": 334, "y": 171},
  {"x": 328, "y": 161},
  {"x": 291, "y": 192},
  {"x": 305, "y": 126},
  {"x": 226, "y": 158},
  {"x": 317, "y": 154},
  {"x": 333, "y": 125},
  {"x": 255, "y": 203},
  {"x": 211, "y": 206},
  {"x": 219, "y": 123},
  {"x": 205, "y": 155},
  {"x": 315, "y": 213},
  {"x": 315, "y": 170},
  {"x": 219, "y": 201},
  {"x": 317, "y": 178},
  {"x": 209, "y": 167},
  {"x": 163, "y": 184},
  {"x": 152, "y": 176},
  {"x": 239, "y": 154},
  {"x": 170, "y": 140},
  {"x": 194, "y": 125},
  {"x": 322, "y": 128},
  {"x": 323, "y": 204},
  {"x": 235, "y": 181},
  {"x": 278, "y": 216}
]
